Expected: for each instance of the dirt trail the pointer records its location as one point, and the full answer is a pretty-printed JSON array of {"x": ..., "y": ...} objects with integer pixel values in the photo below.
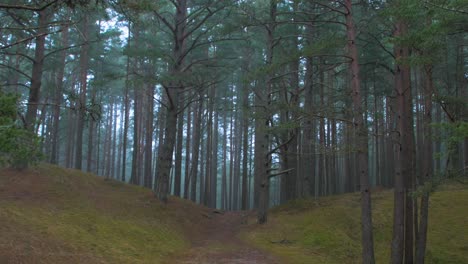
[{"x": 219, "y": 244}]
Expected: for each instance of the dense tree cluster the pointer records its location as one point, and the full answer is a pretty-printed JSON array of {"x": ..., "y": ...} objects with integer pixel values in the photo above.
[{"x": 247, "y": 104}]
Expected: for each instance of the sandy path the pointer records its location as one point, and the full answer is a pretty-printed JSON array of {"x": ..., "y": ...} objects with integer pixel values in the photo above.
[{"x": 219, "y": 244}]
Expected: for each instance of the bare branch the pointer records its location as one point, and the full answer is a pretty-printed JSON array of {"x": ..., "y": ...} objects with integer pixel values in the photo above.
[
  {"x": 330, "y": 8},
  {"x": 28, "y": 39},
  {"x": 446, "y": 8},
  {"x": 164, "y": 20},
  {"x": 280, "y": 173},
  {"x": 28, "y": 7},
  {"x": 16, "y": 70}
]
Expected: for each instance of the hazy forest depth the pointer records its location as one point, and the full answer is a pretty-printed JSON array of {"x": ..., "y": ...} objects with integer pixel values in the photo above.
[{"x": 244, "y": 105}]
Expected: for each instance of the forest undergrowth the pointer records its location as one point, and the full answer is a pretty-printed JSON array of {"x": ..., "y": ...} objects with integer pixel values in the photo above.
[{"x": 55, "y": 215}]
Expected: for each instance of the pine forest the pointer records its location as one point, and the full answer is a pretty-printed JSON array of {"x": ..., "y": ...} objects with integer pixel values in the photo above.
[{"x": 239, "y": 106}]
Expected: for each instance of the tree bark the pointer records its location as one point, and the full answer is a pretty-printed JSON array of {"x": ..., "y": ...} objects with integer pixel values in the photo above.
[
  {"x": 148, "y": 176},
  {"x": 245, "y": 145},
  {"x": 37, "y": 69},
  {"x": 172, "y": 91},
  {"x": 84, "y": 66},
  {"x": 403, "y": 136},
  {"x": 195, "y": 150},
  {"x": 58, "y": 97},
  {"x": 178, "y": 154},
  {"x": 427, "y": 167},
  {"x": 187, "y": 152},
  {"x": 264, "y": 136},
  {"x": 361, "y": 142}
]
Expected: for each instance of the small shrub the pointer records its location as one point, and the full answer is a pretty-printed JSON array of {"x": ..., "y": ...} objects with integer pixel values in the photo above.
[{"x": 18, "y": 147}]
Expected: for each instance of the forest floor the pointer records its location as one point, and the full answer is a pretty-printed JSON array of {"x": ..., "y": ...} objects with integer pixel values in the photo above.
[
  {"x": 219, "y": 242},
  {"x": 50, "y": 214}
]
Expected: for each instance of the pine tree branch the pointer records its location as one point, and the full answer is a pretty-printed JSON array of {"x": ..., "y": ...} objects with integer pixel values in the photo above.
[
  {"x": 446, "y": 8},
  {"x": 28, "y": 7}
]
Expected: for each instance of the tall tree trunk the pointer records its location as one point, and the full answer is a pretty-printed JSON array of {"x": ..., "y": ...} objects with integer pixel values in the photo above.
[
  {"x": 361, "y": 142},
  {"x": 195, "y": 150},
  {"x": 178, "y": 153},
  {"x": 148, "y": 176},
  {"x": 187, "y": 152},
  {"x": 37, "y": 69},
  {"x": 172, "y": 91},
  {"x": 237, "y": 159},
  {"x": 84, "y": 62},
  {"x": 214, "y": 162},
  {"x": 321, "y": 159},
  {"x": 224, "y": 192},
  {"x": 135, "y": 176},
  {"x": 427, "y": 166},
  {"x": 209, "y": 134},
  {"x": 309, "y": 129},
  {"x": 58, "y": 97},
  {"x": 127, "y": 111},
  {"x": 71, "y": 135},
  {"x": 403, "y": 155},
  {"x": 89, "y": 158},
  {"x": 264, "y": 150},
  {"x": 245, "y": 145}
]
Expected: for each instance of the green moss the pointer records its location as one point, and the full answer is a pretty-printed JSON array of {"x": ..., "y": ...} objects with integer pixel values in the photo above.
[
  {"x": 103, "y": 218},
  {"x": 328, "y": 230}
]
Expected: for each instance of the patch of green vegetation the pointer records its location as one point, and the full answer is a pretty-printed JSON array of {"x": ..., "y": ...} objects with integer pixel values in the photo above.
[
  {"x": 18, "y": 146},
  {"x": 117, "y": 240},
  {"x": 328, "y": 230},
  {"x": 112, "y": 221}
]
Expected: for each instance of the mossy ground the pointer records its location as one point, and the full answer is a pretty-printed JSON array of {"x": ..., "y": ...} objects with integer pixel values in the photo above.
[
  {"x": 328, "y": 230},
  {"x": 52, "y": 215}
]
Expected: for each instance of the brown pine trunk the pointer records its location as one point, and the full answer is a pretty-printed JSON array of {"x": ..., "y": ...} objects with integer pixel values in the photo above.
[
  {"x": 172, "y": 91},
  {"x": 427, "y": 166},
  {"x": 237, "y": 161},
  {"x": 195, "y": 150},
  {"x": 84, "y": 66},
  {"x": 245, "y": 145},
  {"x": 178, "y": 154},
  {"x": 214, "y": 163},
  {"x": 402, "y": 236},
  {"x": 361, "y": 141},
  {"x": 89, "y": 158},
  {"x": 258, "y": 159},
  {"x": 108, "y": 140},
  {"x": 231, "y": 163},
  {"x": 148, "y": 176},
  {"x": 37, "y": 69},
  {"x": 120, "y": 145},
  {"x": 136, "y": 169},
  {"x": 309, "y": 129},
  {"x": 224, "y": 193},
  {"x": 187, "y": 152},
  {"x": 209, "y": 129},
  {"x": 164, "y": 164},
  {"x": 58, "y": 98},
  {"x": 202, "y": 177},
  {"x": 264, "y": 153},
  {"x": 321, "y": 159},
  {"x": 126, "y": 114},
  {"x": 70, "y": 136}
]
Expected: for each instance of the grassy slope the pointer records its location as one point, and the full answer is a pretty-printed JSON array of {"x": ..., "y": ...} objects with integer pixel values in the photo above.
[
  {"x": 328, "y": 231},
  {"x": 53, "y": 215}
]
